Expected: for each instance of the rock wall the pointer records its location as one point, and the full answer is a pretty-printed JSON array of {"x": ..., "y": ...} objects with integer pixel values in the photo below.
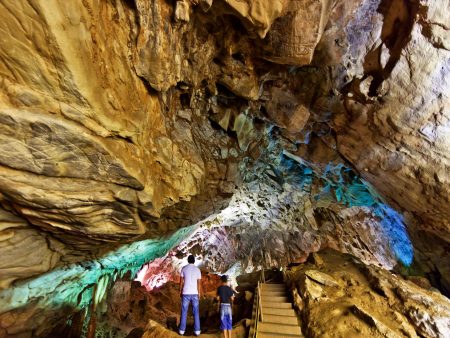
[
  {"x": 89, "y": 154},
  {"x": 396, "y": 129},
  {"x": 337, "y": 295},
  {"x": 51, "y": 301}
]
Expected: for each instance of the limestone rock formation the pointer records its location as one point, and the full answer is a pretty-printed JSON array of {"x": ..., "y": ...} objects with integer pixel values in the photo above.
[
  {"x": 271, "y": 222},
  {"x": 260, "y": 13},
  {"x": 343, "y": 297},
  {"x": 87, "y": 153},
  {"x": 292, "y": 39},
  {"x": 396, "y": 126},
  {"x": 38, "y": 252}
]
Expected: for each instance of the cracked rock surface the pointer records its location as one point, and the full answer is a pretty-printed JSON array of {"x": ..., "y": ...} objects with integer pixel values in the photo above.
[{"x": 342, "y": 297}]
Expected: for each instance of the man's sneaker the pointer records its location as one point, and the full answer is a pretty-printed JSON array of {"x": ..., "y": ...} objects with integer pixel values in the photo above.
[{"x": 197, "y": 333}]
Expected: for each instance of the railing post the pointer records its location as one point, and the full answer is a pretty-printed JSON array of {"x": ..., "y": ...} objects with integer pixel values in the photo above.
[{"x": 260, "y": 303}]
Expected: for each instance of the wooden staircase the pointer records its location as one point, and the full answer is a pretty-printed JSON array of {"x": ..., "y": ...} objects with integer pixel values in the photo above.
[{"x": 273, "y": 315}]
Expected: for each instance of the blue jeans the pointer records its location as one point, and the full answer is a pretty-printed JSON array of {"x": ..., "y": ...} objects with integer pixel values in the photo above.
[{"x": 185, "y": 300}]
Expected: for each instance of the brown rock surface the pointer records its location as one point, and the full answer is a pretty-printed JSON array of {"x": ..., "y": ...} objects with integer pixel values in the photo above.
[
  {"x": 292, "y": 39},
  {"x": 87, "y": 152},
  {"x": 396, "y": 134},
  {"x": 260, "y": 13},
  {"x": 364, "y": 300},
  {"x": 38, "y": 252},
  {"x": 268, "y": 226}
]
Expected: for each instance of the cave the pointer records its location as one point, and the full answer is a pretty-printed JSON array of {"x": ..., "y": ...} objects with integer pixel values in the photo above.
[{"x": 301, "y": 148}]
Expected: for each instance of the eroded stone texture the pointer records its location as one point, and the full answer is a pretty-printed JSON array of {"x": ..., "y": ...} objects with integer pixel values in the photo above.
[
  {"x": 260, "y": 13},
  {"x": 87, "y": 152},
  {"x": 292, "y": 39},
  {"x": 344, "y": 297},
  {"x": 93, "y": 99},
  {"x": 192, "y": 51},
  {"x": 396, "y": 130},
  {"x": 389, "y": 85},
  {"x": 24, "y": 250},
  {"x": 59, "y": 76},
  {"x": 219, "y": 46},
  {"x": 394, "y": 82},
  {"x": 34, "y": 307}
]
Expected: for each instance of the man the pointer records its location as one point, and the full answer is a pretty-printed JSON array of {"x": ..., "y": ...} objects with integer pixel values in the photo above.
[
  {"x": 190, "y": 292},
  {"x": 225, "y": 296}
]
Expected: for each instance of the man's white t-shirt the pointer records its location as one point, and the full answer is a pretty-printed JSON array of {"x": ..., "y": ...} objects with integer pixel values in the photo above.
[{"x": 191, "y": 274}]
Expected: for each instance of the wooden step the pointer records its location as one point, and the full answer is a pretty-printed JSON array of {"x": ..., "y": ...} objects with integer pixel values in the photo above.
[
  {"x": 276, "y": 305},
  {"x": 278, "y": 312},
  {"x": 263, "y": 290},
  {"x": 289, "y": 320},
  {"x": 278, "y": 335},
  {"x": 270, "y": 293},
  {"x": 273, "y": 290},
  {"x": 279, "y": 328},
  {"x": 274, "y": 299},
  {"x": 273, "y": 286}
]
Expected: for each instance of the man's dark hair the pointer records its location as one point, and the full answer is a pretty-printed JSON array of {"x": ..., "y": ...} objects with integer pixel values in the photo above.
[
  {"x": 224, "y": 278},
  {"x": 191, "y": 259}
]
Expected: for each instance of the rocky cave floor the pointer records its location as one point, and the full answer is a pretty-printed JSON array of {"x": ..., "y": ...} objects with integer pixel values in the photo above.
[{"x": 334, "y": 295}]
